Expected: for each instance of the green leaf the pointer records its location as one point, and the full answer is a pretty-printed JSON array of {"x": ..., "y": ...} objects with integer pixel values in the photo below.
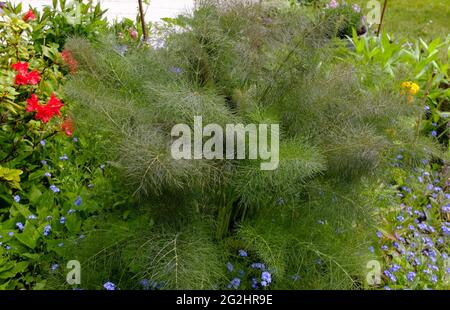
[
  {"x": 35, "y": 175},
  {"x": 29, "y": 236},
  {"x": 46, "y": 200},
  {"x": 33, "y": 257},
  {"x": 40, "y": 285},
  {"x": 73, "y": 224},
  {"x": 11, "y": 177},
  {"x": 6, "y": 266},
  {"x": 16, "y": 268},
  {"x": 35, "y": 194},
  {"x": 19, "y": 209},
  {"x": 47, "y": 52},
  {"x": 5, "y": 286}
]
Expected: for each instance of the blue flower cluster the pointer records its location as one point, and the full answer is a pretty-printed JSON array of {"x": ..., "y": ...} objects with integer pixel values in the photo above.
[
  {"x": 47, "y": 230},
  {"x": 266, "y": 278},
  {"x": 242, "y": 253},
  {"x": 417, "y": 241},
  {"x": 257, "y": 272},
  {"x": 20, "y": 226},
  {"x": 109, "y": 286},
  {"x": 54, "y": 189},
  {"x": 235, "y": 283},
  {"x": 151, "y": 285}
]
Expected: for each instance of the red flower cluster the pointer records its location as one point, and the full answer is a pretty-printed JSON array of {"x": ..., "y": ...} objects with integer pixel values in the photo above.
[
  {"x": 24, "y": 77},
  {"x": 68, "y": 126},
  {"x": 29, "y": 16},
  {"x": 70, "y": 61},
  {"x": 44, "y": 112}
]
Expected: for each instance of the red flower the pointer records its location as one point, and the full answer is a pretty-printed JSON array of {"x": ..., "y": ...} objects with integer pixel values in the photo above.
[
  {"x": 54, "y": 105},
  {"x": 32, "y": 104},
  {"x": 24, "y": 77},
  {"x": 29, "y": 16},
  {"x": 30, "y": 78},
  {"x": 70, "y": 61},
  {"x": 33, "y": 77},
  {"x": 44, "y": 112},
  {"x": 21, "y": 79},
  {"x": 21, "y": 67},
  {"x": 68, "y": 126}
]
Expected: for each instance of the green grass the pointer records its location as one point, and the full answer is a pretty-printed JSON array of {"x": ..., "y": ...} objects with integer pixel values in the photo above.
[{"x": 416, "y": 18}]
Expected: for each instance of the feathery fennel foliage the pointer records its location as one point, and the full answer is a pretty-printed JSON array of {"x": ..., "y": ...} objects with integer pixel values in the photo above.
[
  {"x": 241, "y": 64},
  {"x": 129, "y": 252}
]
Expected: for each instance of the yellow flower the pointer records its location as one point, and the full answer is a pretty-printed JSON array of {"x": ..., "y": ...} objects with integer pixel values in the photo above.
[
  {"x": 406, "y": 85},
  {"x": 411, "y": 88},
  {"x": 414, "y": 88}
]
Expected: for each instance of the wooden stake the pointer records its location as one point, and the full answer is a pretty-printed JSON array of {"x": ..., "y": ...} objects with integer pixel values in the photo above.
[
  {"x": 144, "y": 26},
  {"x": 382, "y": 17}
]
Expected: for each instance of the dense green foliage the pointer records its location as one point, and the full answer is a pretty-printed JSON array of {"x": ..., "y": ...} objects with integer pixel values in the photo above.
[
  {"x": 64, "y": 19},
  {"x": 46, "y": 178},
  {"x": 363, "y": 137},
  {"x": 237, "y": 65}
]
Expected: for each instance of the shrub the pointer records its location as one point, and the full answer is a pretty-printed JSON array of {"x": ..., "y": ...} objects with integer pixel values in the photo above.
[
  {"x": 344, "y": 17},
  {"x": 235, "y": 64},
  {"x": 423, "y": 65},
  {"x": 28, "y": 81},
  {"x": 58, "y": 22},
  {"x": 46, "y": 173}
]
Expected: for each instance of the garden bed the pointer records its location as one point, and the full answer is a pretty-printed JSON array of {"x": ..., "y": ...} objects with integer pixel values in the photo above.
[{"x": 90, "y": 185}]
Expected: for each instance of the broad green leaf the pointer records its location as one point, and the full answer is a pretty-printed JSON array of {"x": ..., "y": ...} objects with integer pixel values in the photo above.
[
  {"x": 11, "y": 177},
  {"x": 73, "y": 224},
  {"x": 34, "y": 195},
  {"x": 29, "y": 236},
  {"x": 17, "y": 268}
]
